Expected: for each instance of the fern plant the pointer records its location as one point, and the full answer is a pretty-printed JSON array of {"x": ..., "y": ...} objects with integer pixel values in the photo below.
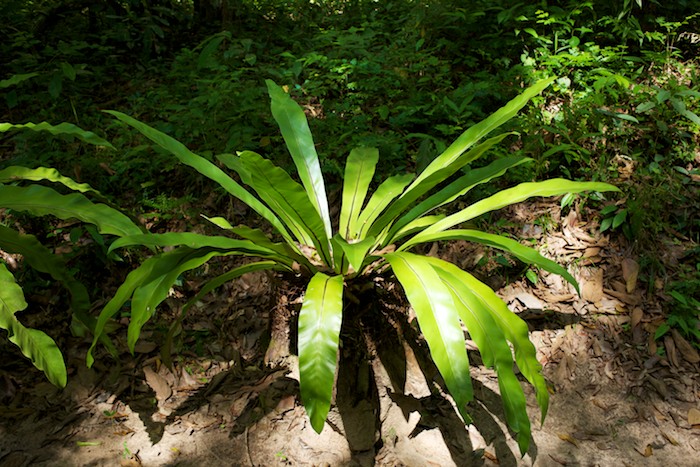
[
  {"x": 374, "y": 235},
  {"x": 22, "y": 190}
]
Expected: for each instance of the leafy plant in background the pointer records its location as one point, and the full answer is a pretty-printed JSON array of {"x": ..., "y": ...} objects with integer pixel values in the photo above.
[
  {"x": 613, "y": 217},
  {"x": 676, "y": 97},
  {"x": 624, "y": 24},
  {"x": 684, "y": 306},
  {"x": 668, "y": 34},
  {"x": 373, "y": 237},
  {"x": 21, "y": 190}
]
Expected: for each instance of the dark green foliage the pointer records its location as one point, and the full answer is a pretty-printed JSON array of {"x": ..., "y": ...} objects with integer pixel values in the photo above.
[{"x": 685, "y": 306}]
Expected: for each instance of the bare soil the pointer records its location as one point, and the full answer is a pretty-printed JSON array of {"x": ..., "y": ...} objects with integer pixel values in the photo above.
[{"x": 232, "y": 395}]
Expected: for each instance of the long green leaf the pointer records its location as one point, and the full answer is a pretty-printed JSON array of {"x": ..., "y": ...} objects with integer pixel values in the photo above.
[
  {"x": 457, "y": 189},
  {"x": 247, "y": 175},
  {"x": 34, "y": 344},
  {"x": 61, "y": 129},
  {"x": 298, "y": 232},
  {"x": 204, "y": 167},
  {"x": 359, "y": 170},
  {"x": 319, "y": 333},
  {"x": 296, "y": 133},
  {"x": 148, "y": 295},
  {"x": 220, "y": 222},
  {"x": 517, "y": 333},
  {"x": 515, "y": 330},
  {"x": 516, "y": 194},
  {"x": 481, "y": 129},
  {"x": 43, "y": 260},
  {"x": 386, "y": 192},
  {"x": 523, "y": 253},
  {"x": 124, "y": 292},
  {"x": 40, "y": 201},
  {"x": 288, "y": 254},
  {"x": 15, "y": 173},
  {"x": 206, "y": 56},
  {"x": 148, "y": 286},
  {"x": 439, "y": 322},
  {"x": 454, "y": 157},
  {"x": 284, "y": 196},
  {"x": 191, "y": 240},
  {"x": 416, "y": 225},
  {"x": 491, "y": 340},
  {"x": 16, "y": 79},
  {"x": 416, "y": 190},
  {"x": 194, "y": 240}
]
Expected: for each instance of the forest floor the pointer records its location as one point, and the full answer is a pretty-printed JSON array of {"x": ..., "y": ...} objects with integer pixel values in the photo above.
[{"x": 233, "y": 398}]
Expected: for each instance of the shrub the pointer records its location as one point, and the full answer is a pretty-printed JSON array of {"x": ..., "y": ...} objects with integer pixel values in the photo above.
[
  {"x": 373, "y": 238},
  {"x": 21, "y": 191}
]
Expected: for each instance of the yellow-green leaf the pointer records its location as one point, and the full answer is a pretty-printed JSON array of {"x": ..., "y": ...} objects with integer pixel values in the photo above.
[{"x": 319, "y": 333}]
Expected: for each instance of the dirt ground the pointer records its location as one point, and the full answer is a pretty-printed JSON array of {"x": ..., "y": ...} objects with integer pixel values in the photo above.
[{"x": 232, "y": 397}]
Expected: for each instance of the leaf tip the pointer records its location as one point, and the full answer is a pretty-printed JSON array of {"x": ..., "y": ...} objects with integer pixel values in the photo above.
[
  {"x": 317, "y": 423},
  {"x": 273, "y": 89}
]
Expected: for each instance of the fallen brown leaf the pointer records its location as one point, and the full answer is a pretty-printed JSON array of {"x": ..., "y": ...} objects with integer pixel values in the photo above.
[
  {"x": 591, "y": 284},
  {"x": 605, "y": 445},
  {"x": 568, "y": 438},
  {"x": 671, "y": 350},
  {"x": 694, "y": 416},
  {"x": 115, "y": 415},
  {"x": 565, "y": 369},
  {"x": 559, "y": 460},
  {"x": 145, "y": 346},
  {"x": 608, "y": 370},
  {"x": 130, "y": 463},
  {"x": 618, "y": 286},
  {"x": 239, "y": 405},
  {"x": 625, "y": 297},
  {"x": 491, "y": 457},
  {"x": 530, "y": 301},
  {"x": 637, "y": 315},
  {"x": 687, "y": 350},
  {"x": 583, "y": 236},
  {"x": 652, "y": 344},
  {"x": 659, "y": 385},
  {"x": 630, "y": 271},
  {"x": 159, "y": 384},
  {"x": 186, "y": 381},
  {"x": 670, "y": 438},
  {"x": 286, "y": 403},
  {"x": 552, "y": 298},
  {"x": 590, "y": 252},
  {"x": 598, "y": 403},
  {"x": 107, "y": 168}
]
